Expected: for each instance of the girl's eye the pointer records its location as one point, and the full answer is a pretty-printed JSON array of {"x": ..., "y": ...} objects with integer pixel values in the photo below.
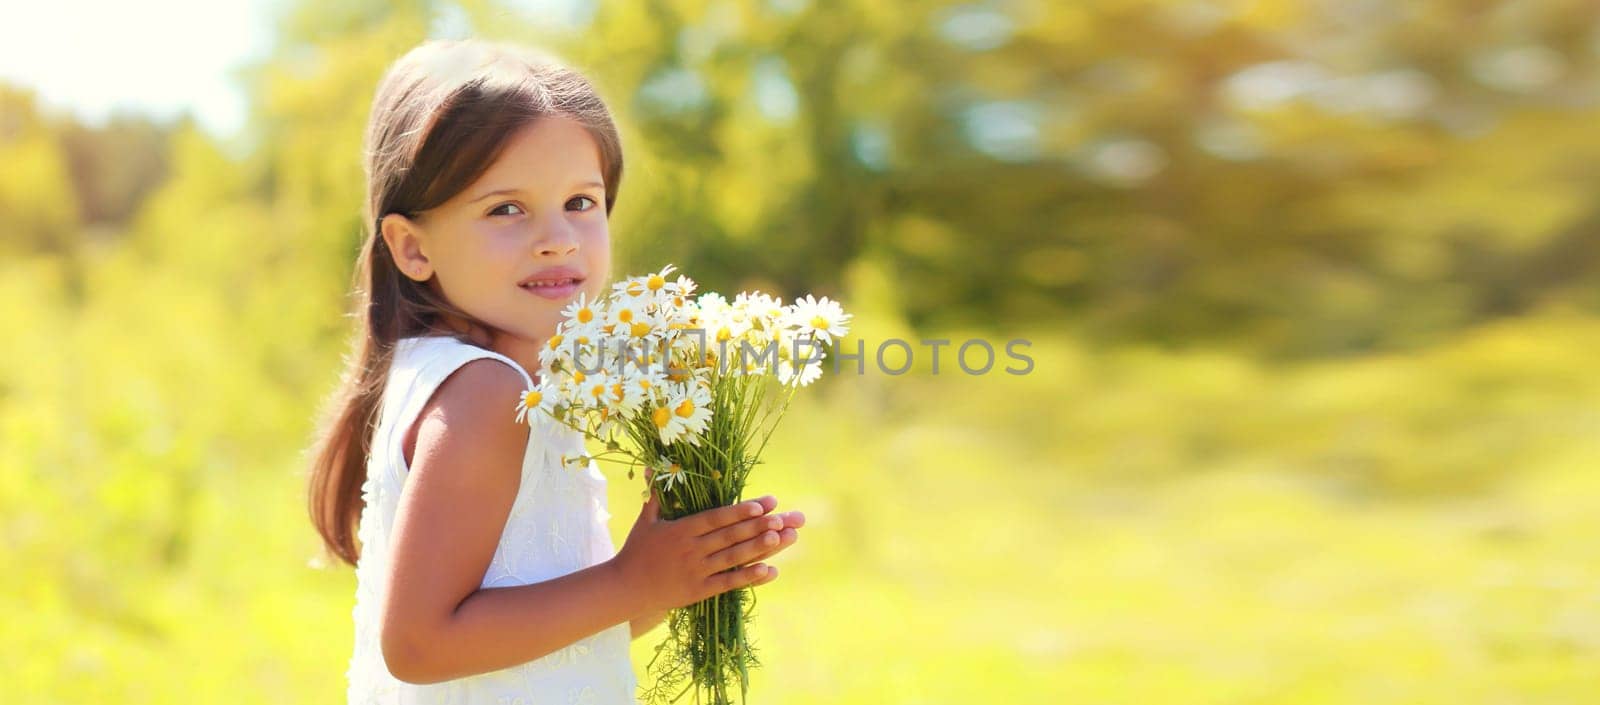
[
  {"x": 582, "y": 198},
  {"x": 505, "y": 205}
]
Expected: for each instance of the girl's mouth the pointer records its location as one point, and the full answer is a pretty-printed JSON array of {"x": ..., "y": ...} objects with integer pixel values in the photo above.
[{"x": 554, "y": 289}]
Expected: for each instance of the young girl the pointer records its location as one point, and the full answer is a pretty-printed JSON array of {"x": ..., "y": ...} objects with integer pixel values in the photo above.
[{"x": 485, "y": 572}]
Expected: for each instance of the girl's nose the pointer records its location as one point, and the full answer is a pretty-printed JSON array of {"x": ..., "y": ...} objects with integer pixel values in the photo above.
[{"x": 557, "y": 237}]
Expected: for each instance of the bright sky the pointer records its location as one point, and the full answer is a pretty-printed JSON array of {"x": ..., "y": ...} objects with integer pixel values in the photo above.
[
  {"x": 154, "y": 56},
  {"x": 160, "y": 57}
]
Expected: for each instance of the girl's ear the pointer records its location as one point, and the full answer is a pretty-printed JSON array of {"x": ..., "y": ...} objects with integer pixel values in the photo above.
[{"x": 404, "y": 238}]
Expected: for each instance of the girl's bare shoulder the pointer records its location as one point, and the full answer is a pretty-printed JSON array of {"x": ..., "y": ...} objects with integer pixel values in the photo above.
[{"x": 471, "y": 417}]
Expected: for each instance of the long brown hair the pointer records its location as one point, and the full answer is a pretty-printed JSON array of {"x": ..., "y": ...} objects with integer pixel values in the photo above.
[{"x": 441, "y": 115}]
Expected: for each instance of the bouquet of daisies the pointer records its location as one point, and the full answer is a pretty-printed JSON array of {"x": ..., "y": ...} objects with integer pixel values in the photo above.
[{"x": 690, "y": 387}]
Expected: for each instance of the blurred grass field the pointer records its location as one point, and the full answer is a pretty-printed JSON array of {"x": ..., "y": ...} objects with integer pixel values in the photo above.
[{"x": 1147, "y": 527}]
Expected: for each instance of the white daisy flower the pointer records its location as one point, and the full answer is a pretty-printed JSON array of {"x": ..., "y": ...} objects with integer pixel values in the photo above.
[
  {"x": 659, "y": 282},
  {"x": 820, "y": 317},
  {"x": 669, "y": 476},
  {"x": 685, "y": 415},
  {"x": 682, "y": 376},
  {"x": 628, "y": 320},
  {"x": 802, "y": 347},
  {"x": 691, "y": 410},
  {"x": 535, "y": 402},
  {"x": 661, "y": 416},
  {"x": 625, "y": 392},
  {"x": 568, "y": 356},
  {"x": 712, "y": 305},
  {"x": 644, "y": 289},
  {"x": 583, "y": 311},
  {"x": 767, "y": 309},
  {"x": 759, "y": 306},
  {"x": 629, "y": 289},
  {"x": 641, "y": 385},
  {"x": 607, "y": 424},
  {"x": 754, "y": 354},
  {"x": 575, "y": 336},
  {"x": 559, "y": 347},
  {"x": 592, "y": 390},
  {"x": 629, "y": 358},
  {"x": 686, "y": 287},
  {"x": 678, "y": 314},
  {"x": 674, "y": 308},
  {"x": 726, "y": 330},
  {"x": 791, "y": 372}
]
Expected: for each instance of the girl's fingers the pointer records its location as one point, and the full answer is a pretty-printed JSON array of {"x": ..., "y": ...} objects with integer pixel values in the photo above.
[
  {"x": 772, "y": 574},
  {"x": 762, "y": 546},
  {"x": 742, "y": 552},
  {"x": 702, "y": 523},
  {"x": 786, "y": 538},
  {"x": 735, "y": 578},
  {"x": 742, "y": 531}
]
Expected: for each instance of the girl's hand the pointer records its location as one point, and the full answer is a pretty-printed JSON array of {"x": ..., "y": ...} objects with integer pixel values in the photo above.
[{"x": 669, "y": 563}]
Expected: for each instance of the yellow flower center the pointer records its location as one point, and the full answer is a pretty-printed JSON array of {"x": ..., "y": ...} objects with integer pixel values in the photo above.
[
  {"x": 634, "y": 289},
  {"x": 661, "y": 416},
  {"x": 585, "y": 315},
  {"x": 686, "y": 409},
  {"x": 723, "y": 334},
  {"x": 555, "y": 342},
  {"x": 532, "y": 398},
  {"x": 819, "y": 322},
  {"x": 625, "y": 315},
  {"x": 656, "y": 282},
  {"x": 597, "y": 390},
  {"x": 577, "y": 376},
  {"x": 640, "y": 330},
  {"x": 616, "y": 391}
]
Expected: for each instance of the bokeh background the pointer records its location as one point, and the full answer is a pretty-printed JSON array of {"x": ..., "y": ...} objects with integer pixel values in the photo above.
[{"x": 1312, "y": 290}]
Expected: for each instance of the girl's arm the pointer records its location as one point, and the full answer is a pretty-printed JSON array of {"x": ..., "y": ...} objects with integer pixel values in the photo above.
[{"x": 437, "y": 623}]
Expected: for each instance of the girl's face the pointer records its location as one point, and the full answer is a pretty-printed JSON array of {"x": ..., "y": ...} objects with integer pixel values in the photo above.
[{"x": 539, "y": 207}]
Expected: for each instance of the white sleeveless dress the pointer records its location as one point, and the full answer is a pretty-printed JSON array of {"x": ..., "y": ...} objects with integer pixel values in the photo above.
[{"x": 557, "y": 526}]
